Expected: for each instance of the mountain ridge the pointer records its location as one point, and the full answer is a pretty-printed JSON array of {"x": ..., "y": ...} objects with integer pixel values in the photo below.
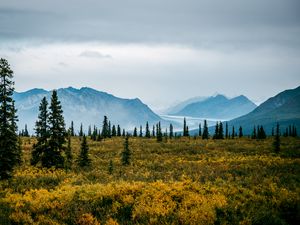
[
  {"x": 85, "y": 105},
  {"x": 283, "y": 108},
  {"x": 218, "y": 106}
]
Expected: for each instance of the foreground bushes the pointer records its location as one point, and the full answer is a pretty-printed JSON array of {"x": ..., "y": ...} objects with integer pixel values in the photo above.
[
  {"x": 184, "y": 202},
  {"x": 153, "y": 203},
  {"x": 181, "y": 181}
]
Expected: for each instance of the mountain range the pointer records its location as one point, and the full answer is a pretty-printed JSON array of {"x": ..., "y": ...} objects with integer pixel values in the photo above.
[
  {"x": 283, "y": 108},
  {"x": 87, "y": 106},
  {"x": 219, "y": 107}
]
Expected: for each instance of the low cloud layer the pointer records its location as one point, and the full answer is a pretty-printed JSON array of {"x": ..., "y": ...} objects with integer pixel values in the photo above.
[{"x": 160, "y": 51}]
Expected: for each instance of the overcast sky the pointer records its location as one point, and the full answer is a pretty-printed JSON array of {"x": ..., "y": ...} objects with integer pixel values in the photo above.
[{"x": 160, "y": 51}]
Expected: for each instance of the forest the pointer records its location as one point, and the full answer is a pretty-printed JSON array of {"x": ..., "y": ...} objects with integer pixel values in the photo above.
[{"x": 106, "y": 176}]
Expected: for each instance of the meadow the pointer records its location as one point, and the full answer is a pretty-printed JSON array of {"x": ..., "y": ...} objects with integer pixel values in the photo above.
[{"x": 177, "y": 181}]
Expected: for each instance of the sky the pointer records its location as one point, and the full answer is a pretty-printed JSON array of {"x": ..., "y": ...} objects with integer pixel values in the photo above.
[{"x": 161, "y": 51}]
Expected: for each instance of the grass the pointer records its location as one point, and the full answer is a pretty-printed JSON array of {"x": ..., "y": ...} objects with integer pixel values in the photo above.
[{"x": 178, "y": 181}]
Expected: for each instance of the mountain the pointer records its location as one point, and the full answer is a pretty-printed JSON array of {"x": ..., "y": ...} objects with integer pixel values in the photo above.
[
  {"x": 178, "y": 107},
  {"x": 87, "y": 106},
  {"x": 283, "y": 108},
  {"x": 219, "y": 107}
]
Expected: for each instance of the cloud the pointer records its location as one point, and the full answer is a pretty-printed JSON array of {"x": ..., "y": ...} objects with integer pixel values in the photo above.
[
  {"x": 62, "y": 64},
  {"x": 231, "y": 24},
  {"x": 94, "y": 54}
]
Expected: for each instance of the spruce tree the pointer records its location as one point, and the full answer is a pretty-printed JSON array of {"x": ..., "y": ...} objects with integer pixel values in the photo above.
[
  {"x": 83, "y": 159},
  {"x": 113, "y": 131},
  {"x": 205, "y": 133},
  {"x": 221, "y": 131},
  {"x": 9, "y": 149},
  {"x": 153, "y": 131},
  {"x": 126, "y": 153},
  {"x": 26, "y": 134},
  {"x": 90, "y": 131},
  {"x": 233, "y": 133},
  {"x": 171, "y": 134},
  {"x": 72, "y": 133},
  {"x": 81, "y": 131},
  {"x": 109, "y": 129},
  {"x": 105, "y": 128},
  {"x": 94, "y": 134},
  {"x": 240, "y": 132},
  {"x": 147, "y": 135},
  {"x": 216, "y": 134},
  {"x": 53, "y": 155},
  {"x": 276, "y": 142},
  {"x": 123, "y": 133},
  {"x": 254, "y": 134},
  {"x": 158, "y": 132},
  {"x": 200, "y": 132},
  {"x": 42, "y": 133},
  {"x": 119, "y": 131},
  {"x": 135, "y": 132},
  {"x": 141, "y": 132},
  {"x": 184, "y": 128}
]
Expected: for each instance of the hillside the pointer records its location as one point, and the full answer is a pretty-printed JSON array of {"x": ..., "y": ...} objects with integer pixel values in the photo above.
[
  {"x": 87, "y": 106},
  {"x": 283, "y": 108},
  {"x": 219, "y": 107}
]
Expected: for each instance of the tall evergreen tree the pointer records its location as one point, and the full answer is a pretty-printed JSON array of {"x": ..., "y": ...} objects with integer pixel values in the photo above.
[
  {"x": 221, "y": 131},
  {"x": 216, "y": 134},
  {"x": 72, "y": 133},
  {"x": 141, "y": 132},
  {"x": 240, "y": 132},
  {"x": 276, "y": 142},
  {"x": 119, "y": 131},
  {"x": 233, "y": 133},
  {"x": 113, "y": 131},
  {"x": 53, "y": 155},
  {"x": 81, "y": 130},
  {"x": 90, "y": 131},
  {"x": 109, "y": 129},
  {"x": 123, "y": 133},
  {"x": 42, "y": 133},
  {"x": 135, "y": 132},
  {"x": 200, "y": 131},
  {"x": 83, "y": 159},
  {"x": 187, "y": 131},
  {"x": 153, "y": 131},
  {"x": 171, "y": 134},
  {"x": 9, "y": 149},
  {"x": 158, "y": 132},
  {"x": 254, "y": 133},
  {"x": 147, "y": 135},
  {"x": 205, "y": 134},
  {"x": 184, "y": 128},
  {"x": 126, "y": 153},
  {"x": 105, "y": 128},
  {"x": 26, "y": 134}
]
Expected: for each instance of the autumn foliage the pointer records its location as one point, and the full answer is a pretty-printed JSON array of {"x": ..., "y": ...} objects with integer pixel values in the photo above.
[{"x": 176, "y": 181}]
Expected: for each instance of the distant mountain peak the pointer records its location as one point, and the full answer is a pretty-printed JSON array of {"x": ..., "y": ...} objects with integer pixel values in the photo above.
[
  {"x": 219, "y": 107},
  {"x": 283, "y": 108},
  {"x": 88, "y": 106}
]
